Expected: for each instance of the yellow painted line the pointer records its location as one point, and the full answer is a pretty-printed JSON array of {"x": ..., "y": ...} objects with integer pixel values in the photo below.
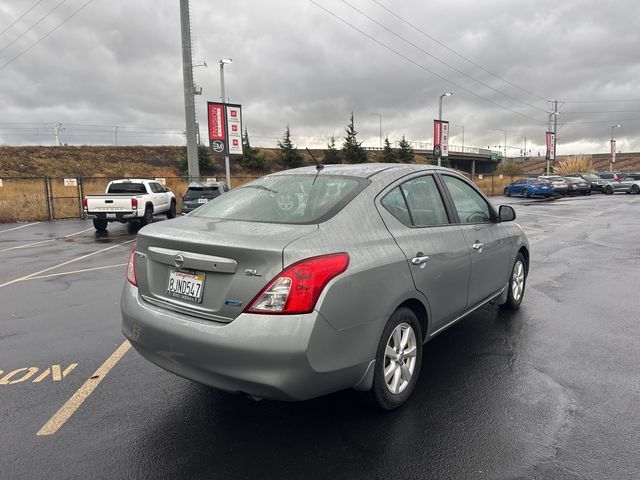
[
  {"x": 69, "y": 408},
  {"x": 78, "y": 233},
  {"x": 27, "y": 277},
  {"x": 27, "y": 245},
  {"x": 76, "y": 271},
  {"x": 18, "y": 228}
]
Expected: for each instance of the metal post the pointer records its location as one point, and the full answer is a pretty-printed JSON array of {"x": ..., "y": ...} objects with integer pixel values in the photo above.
[
  {"x": 440, "y": 119},
  {"x": 47, "y": 194},
  {"x": 223, "y": 97},
  {"x": 555, "y": 128},
  {"x": 612, "y": 148},
  {"x": 189, "y": 102}
]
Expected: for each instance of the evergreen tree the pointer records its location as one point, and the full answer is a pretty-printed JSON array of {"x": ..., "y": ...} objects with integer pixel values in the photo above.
[
  {"x": 405, "y": 152},
  {"x": 251, "y": 158},
  {"x": 351, "y": 148},
  {"x": 289, "y": 156},
  {"x": 388, "y": 153},
  {"x": 331, "y": 154}
]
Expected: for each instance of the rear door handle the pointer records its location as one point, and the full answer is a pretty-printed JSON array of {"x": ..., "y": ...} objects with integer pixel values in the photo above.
[
  {"x": 421, "y": 260},
  {"x": 478, "y": 246}
]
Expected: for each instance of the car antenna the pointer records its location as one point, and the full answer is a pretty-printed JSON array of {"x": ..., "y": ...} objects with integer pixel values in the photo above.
[{"x": 319, "y": 166}]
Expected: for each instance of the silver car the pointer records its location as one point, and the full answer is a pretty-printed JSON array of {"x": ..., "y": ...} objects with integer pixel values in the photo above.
[{"x": 318, "y": 279}]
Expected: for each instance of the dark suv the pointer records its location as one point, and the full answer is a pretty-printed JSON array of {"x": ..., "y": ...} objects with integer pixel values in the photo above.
[
  {"x": 200, "y": 193},
  {"x": 594, "y": 180}
]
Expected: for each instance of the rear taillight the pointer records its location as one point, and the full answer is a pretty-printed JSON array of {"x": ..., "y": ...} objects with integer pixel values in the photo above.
[
  {"x": 131, "y": 268},
  {"x": 296, "y": 290},
  {"x": 84, "y": 202},
  {"x": 134, "y": 204}
]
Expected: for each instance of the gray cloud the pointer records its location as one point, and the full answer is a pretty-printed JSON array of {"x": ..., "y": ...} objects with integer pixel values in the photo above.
[{"x": 119, "y": 63}]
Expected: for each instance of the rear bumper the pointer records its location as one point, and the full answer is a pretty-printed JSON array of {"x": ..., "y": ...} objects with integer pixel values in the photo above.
[
  {"x": 268, "y": 356},
  {"x": 112, "y": 216}
]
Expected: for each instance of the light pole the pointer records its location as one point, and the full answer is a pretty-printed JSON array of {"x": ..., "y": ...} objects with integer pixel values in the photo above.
[
  {"x": 379, "y": 115},
  {"x": 446, "y": 94},
  {"x": 224, "y": 100},
  {"x": 553, "y": 114},
  {"x": 612, "y": 158},
  {"x": 505, "y": 140}
]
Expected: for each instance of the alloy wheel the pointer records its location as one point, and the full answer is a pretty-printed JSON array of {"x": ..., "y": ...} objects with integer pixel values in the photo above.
[
  {"x": 400, "y": 358},
  {"x": 517, "y": 281}
]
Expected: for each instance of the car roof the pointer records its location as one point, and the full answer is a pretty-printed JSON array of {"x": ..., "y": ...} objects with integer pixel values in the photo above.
[
  {"x": 133, "y": 180},
  {"x": 364, "y": 170},
  {"x": 205, "y": 184}
]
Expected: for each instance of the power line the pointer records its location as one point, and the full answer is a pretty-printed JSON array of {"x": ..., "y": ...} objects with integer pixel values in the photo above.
[
  {"x": 32, "y": 26},
  {"x": 442, "y": 61},
  {"x": 603, "y": 101},
  {"x": 455, "y": 52},
  {"x": 422, "y": 66},
  {"x": 21, "y": 17},
  {"x": 47, "y": 34}
]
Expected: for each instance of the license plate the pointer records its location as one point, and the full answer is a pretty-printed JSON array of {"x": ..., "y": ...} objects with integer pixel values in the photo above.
[
  {"x": 111, "y": 215},
  {"x": 203, "y": 200},
  {"x": 186, "y": 285}
]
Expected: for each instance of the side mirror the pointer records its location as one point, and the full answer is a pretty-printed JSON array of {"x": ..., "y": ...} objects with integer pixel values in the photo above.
[{"x": 506, "y": 213}]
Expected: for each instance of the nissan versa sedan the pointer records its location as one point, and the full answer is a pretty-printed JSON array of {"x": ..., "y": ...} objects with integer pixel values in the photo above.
[{"x": 318, "y": 279}]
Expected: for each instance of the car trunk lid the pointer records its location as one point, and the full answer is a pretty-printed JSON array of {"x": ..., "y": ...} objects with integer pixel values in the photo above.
[{"x": 210, "y": 268}]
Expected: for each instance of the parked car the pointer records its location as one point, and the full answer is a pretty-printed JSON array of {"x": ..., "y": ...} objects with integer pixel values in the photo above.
[
  {"x": 595, "y": 182},
  {"x": 577, "y": 186},
  {"x": 274, "y": 298},
  {"x": 559, "y": 184},
  {"x": 199, "y": 193},
  {"x": 629, "y": 183},
  {"x": 610, "y": 176},
  {"x": 528, "y": 187},
  {"x": 129, "y": 200}
]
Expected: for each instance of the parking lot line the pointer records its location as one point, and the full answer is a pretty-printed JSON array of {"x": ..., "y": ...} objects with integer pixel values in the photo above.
[
  {"x": 27, "y": 245},
  {"x": 75, "y": 271},
  {"x": 78, "y": 233},
  {"x": 18, "y": 228},
  {"x": 69, "y": 408},
  {"x": 27, "y": 277},
  {"x": 548, "y": 215}
]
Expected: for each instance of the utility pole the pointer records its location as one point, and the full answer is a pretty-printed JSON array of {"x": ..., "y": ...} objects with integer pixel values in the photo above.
[
  {"x": 555, "y": 128},
  {"x": 189, "y": 102},
  {"x": 56, "y": 131}
]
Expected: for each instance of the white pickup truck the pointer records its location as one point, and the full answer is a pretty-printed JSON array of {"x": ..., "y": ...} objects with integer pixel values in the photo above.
[{"x": 129, "y": 200}]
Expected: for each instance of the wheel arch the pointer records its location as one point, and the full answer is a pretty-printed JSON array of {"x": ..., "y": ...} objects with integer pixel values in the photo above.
[
  {"x": 420, "y": 311},
  {"x": 149, "y": 205},
  {"x": 525, "y": 253}
]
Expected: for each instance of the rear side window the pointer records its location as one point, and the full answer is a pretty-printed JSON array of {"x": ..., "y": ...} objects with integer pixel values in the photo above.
[
  {"x": 470, "y": 205},
  {"x": 297, "y": 199},
  {"x": 417, "y": 202},
  {"x": 130, "y": 188}
]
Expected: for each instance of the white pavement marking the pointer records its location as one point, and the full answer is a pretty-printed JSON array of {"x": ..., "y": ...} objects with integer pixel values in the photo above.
[
  {"x": 534, "y": 228},
  {"x": 76, "y": 271},
  {"x": 27, "y": 277},
  {"x": 27, "y": 245},
  {"x": 78, "y": 233},
  {"x": 71, "y": 405},
  {"x": 18, "y": 228}
]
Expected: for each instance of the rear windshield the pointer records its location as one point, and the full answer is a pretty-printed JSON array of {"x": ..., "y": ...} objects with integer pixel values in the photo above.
[
  {"x": 127, "y": 188},
  {"x": 297, "y": 199},
  {"x": 202, "y": 192}
]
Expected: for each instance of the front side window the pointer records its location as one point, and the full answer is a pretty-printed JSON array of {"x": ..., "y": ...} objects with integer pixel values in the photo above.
[
  {"x": 470, "y": 205},
  {"x": 297, "y": 199}
]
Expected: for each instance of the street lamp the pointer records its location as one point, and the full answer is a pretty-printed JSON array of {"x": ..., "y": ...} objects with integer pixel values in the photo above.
[
  {"x": 505, "y": 140},
  {"x": 223, "y": 97},
  {"x": 446, "y": 94},
  {"x": 379, "y": 115},
  {"x": 612, "y": 158}
]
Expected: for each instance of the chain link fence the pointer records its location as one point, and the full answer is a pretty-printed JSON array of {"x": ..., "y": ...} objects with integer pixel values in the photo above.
[{"x": 24, "y": 199}]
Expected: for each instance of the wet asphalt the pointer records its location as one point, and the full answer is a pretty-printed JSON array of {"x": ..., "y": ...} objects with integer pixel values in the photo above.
[{"x": 550, "y": 391}]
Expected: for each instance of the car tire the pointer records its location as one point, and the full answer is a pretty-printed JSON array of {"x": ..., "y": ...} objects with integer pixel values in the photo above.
[
  {"x": 100, "y": 225},
  {"x": 147, "y": 218},
  {"x": 399, "y": 354},
  {"x": 171, "y": 213},
  {"x": 517, "y": 284},
  {"x": 608, "y": 190},
  {"x": 525, "y": 193},
  {"x": 507, "y": 193},
  {"x": 635, "y": 189}
]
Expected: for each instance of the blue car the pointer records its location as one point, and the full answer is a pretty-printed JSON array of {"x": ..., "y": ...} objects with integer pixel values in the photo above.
[{"x": 529, "y": 187}]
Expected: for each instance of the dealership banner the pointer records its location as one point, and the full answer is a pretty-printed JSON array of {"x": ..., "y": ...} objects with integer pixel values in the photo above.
[
  {"x": 613, "y": 151},
  {"x": 225, "y": 128},
  {"x": 551, "y": 141},
  {"x": 440, "y": 138}
]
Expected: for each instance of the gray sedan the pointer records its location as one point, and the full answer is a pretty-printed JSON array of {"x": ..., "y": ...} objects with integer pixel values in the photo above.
[{"x": 318, "y": 279}]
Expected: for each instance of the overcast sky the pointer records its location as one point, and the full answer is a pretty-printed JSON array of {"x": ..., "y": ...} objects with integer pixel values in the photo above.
[{"x": 309, "y": 64}]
